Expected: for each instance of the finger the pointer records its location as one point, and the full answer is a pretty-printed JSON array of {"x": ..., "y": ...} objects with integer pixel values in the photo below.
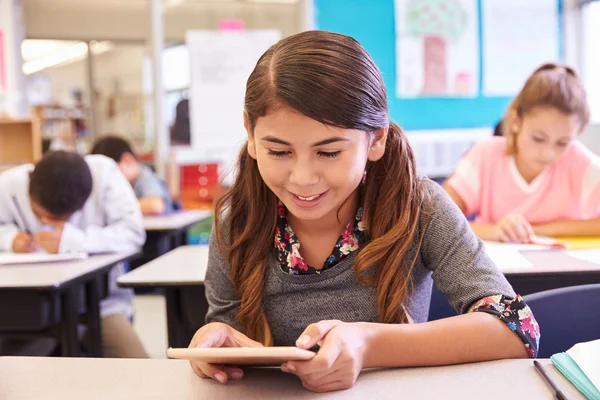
[
  {"x": 319, "y": 379},
  {"x": 322, "y": 363},
  {"x": 314, "y": 333},
  {"x": 511, "y": 230},
  {"x": 529, "y": 234},
  {"x": 233, "y": 372},
  {"x": 329, "y": 387},
  {"x": 213, "y": 371},
  {"x": 503, "y": 237},
  {"x": 519, "y": 229},
  {"x": 197, "y": 369},
  {"x": 243, "y": 340},
  {"x": 215, "y": 337}
]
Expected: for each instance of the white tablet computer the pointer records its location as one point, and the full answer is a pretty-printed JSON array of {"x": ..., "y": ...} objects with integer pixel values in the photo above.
[{"x": 243, "y": 355}]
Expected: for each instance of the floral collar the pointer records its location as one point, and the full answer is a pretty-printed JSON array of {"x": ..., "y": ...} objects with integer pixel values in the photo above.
[{"x": 288, "y": 246}]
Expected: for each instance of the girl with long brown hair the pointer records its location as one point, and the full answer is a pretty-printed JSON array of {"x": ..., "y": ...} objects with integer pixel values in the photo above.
[
  {"x": 536, "y": 180},
  {"x": 324, "y": 168}
]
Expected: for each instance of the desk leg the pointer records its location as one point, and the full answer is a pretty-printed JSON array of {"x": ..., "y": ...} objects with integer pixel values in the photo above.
[
  {"x": 175, "y": 326},
  {"x": 68, "y": 326},
  {"x": 94, "y": 323},
  {"x": 163, "y": 245},
  {"x": 178, "y": 239}
]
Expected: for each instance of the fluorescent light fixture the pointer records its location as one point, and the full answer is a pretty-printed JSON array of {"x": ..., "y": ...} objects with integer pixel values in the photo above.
[{"x": 65, "y": 55}]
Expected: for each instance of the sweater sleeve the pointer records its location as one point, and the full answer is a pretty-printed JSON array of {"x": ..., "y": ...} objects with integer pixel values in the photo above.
[
  {"x": 223, "y": 299},
  {"x": 465, "y": 274}
]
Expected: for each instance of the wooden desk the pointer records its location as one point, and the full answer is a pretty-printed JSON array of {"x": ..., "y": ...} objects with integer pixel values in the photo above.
[
  {"x": 166, "y": 232},
  {"x": 120, "y": 379},
  {"x": 181, "y": 273},
  {"x": 45, "y": 299}
]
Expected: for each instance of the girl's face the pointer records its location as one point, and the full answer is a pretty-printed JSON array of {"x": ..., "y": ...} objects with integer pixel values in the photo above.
[
  {"x": 311, "y": 167},
  {"x": 543, "y": 136}
]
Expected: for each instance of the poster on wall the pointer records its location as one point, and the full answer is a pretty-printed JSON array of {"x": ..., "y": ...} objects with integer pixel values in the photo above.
[
  {"x": 220, "y": 63},
  {"x": 518, "y": 36},
  {"x": 437, "y": 48}
]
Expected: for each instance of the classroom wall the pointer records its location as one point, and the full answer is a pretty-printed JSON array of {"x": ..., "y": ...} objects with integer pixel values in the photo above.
[
  {"x": 372, "y": 24},
  {"x": 129, "y": 20},
  {"x": 121, "y": 66}
]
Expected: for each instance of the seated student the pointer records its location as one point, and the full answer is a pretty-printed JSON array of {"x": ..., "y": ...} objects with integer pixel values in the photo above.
[
  {"x": 537, "y": 179},
  {"x": 70, "y": 204},
  {"x": 151, "y": 191},
  {"x": 328, "y": 236}
]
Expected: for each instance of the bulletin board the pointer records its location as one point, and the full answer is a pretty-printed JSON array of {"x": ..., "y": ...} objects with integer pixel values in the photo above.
[{"x": 512, "y": 38}]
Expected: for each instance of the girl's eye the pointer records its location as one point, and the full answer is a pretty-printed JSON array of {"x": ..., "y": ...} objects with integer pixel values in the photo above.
[
  {"x": 278, "y": 154},
  {"x": 538, "y": 140},
  {"x": 562, "y": 145},
  {"x": 328, "y": 154}
]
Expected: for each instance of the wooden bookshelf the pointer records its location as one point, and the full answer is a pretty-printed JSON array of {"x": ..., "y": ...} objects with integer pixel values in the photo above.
[
  {"x": 20, "y": 141},
  {"x": 58, "y": 123}
]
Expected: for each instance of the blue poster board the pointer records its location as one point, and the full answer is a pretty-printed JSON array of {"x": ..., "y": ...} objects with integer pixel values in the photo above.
[{"x": 371, "y": 22}]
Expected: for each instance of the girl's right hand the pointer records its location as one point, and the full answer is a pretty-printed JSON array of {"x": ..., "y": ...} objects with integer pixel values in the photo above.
[
  {"x": 514, "y": 228},
  {"x": 218, "y": 334}
]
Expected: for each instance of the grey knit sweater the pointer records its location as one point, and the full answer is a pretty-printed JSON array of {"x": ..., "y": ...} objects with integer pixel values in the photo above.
[{"x": 451, "y": 254}]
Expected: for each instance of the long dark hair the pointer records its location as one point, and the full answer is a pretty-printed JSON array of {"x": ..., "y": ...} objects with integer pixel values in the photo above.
[{"x": 330, "y": 78}]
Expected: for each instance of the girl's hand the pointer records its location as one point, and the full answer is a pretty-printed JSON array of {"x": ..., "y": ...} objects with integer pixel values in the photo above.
[
  {"x": 514, "y": 228},
  {"x": 339, "y": 360},
  {"x": 217, "y": 334}
]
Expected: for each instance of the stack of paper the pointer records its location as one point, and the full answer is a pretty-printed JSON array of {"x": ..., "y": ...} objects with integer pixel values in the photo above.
[
  {"x": 587, "y": 255},
  {"x": 507, "y": 256},
  {"x": 581, "y": 365}
]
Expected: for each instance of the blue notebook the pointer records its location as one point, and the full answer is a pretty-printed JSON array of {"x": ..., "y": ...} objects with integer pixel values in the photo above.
[{"x": 575, "y": 372}]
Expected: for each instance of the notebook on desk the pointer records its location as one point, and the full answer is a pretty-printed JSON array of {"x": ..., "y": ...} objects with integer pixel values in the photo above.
[
  {"x": 581, "y": 365},
  {"x": 36, "y": 258}
]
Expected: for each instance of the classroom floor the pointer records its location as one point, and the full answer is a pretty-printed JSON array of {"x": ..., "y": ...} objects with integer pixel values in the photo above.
[{"x": 151, "y": 323}]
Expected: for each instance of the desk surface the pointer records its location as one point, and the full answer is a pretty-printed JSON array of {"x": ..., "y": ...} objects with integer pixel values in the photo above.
[
  {"x": 54, "y": 275},
  {"x": 89, "y": 378},
  {"x": 177, "y": 220},
  {"x": 185, "y": 265},
  {"x": 553, "y": 262}
]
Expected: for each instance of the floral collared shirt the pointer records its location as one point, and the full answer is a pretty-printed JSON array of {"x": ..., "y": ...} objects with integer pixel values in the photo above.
[
  {"x": 288, "y": 246},
  {"x": 511, "y": 311}
]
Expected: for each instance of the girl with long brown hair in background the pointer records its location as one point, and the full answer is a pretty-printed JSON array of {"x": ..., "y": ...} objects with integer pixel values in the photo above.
[
  {"x": 328, "y": 237},
  {"x": 536, "y": 180}
]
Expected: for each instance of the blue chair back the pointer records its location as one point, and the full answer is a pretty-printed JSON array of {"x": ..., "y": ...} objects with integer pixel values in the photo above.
[
  {"x": 439, "y": 307},
  {"x": 566, "y": 316}
]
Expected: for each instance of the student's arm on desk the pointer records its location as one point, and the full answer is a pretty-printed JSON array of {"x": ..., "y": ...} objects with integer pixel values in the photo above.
[
  {"x": 124, "y": 229},
  {"x": 511, "y": 228},
  {"x": 482, "y": 230},
  {"x": 587, "y": 227},
  {"x": 461, "y": 339},
  {"x": 154, "y": 205}
]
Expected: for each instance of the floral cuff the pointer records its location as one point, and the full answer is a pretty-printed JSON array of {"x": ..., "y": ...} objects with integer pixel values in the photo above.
[{"x": 516, "y": 315}]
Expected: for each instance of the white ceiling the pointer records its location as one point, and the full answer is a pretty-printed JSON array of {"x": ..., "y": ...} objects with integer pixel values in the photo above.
[{"x": 127, "y": 20}]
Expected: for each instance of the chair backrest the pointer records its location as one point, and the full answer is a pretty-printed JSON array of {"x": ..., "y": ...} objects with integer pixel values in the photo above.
[
  {"x": 566, "y": 316},
  {"x": 439, "y": 307}
]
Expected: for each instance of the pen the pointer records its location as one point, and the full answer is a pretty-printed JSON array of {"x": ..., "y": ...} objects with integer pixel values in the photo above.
[{"x": 557, "y": 393}]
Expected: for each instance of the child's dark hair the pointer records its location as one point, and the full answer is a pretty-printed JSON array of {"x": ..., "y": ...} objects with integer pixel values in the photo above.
[
  {"x": 113, "y": 147},
  {"x": 61, "y": 183}
]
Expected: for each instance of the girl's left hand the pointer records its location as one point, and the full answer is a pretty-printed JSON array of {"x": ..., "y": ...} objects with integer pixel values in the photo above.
[{"x": 339, "y": 360}]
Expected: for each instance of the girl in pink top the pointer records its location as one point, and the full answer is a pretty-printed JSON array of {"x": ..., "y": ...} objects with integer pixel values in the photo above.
[{"x": 536, "y": 179}]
